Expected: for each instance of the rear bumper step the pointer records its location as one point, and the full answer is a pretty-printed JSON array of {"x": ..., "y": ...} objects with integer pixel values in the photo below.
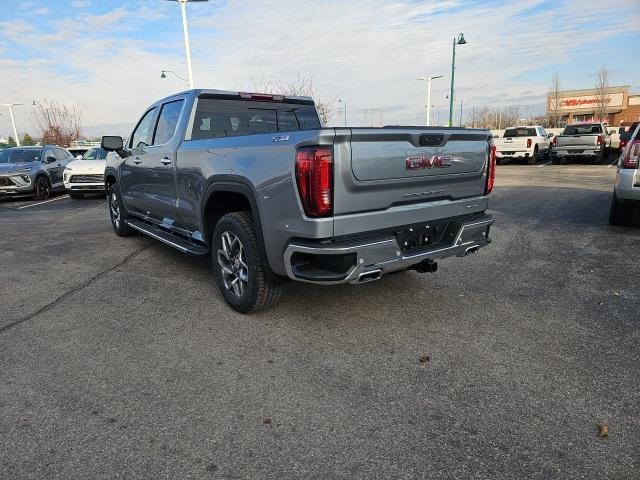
[{"x": 367, "y": 258}]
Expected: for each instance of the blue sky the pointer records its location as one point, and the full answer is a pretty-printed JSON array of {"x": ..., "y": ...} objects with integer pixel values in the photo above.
[{"x": 105, "y": 56}]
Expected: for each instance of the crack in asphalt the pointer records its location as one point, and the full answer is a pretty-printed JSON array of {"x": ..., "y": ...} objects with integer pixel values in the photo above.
[{"x": 59, "y": 299}]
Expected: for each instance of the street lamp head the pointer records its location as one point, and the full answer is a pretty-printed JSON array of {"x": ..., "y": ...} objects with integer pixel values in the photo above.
[{"x": 461, "y": 40}]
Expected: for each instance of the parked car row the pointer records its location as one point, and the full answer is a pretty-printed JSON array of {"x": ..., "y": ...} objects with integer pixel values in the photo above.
[
  {"x": 590, "y": 141},
  {"x": 39, "y": 171}
]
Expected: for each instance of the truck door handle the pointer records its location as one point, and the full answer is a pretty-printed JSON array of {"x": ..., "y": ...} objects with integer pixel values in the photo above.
[
  {"x": 137, "y": 160},
  {"x": 165, "y": 161}
]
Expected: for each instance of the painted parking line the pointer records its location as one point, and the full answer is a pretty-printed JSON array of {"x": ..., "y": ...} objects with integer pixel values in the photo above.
[
  {"x": 46, "y": 201},
  {"x": 613, "y": 164},
  {"x": 544, "y": 164}
]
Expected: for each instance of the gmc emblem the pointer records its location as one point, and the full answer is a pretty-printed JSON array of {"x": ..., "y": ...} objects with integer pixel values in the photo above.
[{"x": 423, "y": 161}]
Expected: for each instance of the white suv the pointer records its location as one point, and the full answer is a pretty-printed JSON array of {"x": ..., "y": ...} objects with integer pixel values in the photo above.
[
  {"x": 626, "y": 193},
  {"x": 86, "y": 175}
]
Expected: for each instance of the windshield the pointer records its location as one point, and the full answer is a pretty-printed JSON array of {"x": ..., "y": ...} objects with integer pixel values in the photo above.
[
  {"x": 582, "y": 129},
  {"x": 95, "y": 154},
  {"x": 520, "y": 132},
  {"x": 16, "y": 155}
]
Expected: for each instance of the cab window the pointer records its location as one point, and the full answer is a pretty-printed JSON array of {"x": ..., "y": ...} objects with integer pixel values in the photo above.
[
  {"x": 141, "y": 136},
  {"x": 167, "y": 122}
]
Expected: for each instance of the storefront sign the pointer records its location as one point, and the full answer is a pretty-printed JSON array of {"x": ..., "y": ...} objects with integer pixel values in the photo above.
[{"x": 588, "y": 102}]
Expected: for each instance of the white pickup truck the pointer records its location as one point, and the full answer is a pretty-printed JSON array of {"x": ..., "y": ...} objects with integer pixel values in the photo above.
[
  {"x": 581, "y": 140},
  {"x": 530, "y": 143}
]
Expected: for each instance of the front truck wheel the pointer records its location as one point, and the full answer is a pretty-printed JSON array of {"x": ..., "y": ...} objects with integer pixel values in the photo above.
[
  {"x": 117, "y": 212},
  {"x": 620, "y": 214},
  {"x": 240, "y": 264}
]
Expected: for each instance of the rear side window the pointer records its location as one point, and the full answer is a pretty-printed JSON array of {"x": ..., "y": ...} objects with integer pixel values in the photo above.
[
  {"x": 60, "y": 154},
  {"x": 167, "y": 122},
  {"x": 215, "y": 118},
  {"x": 141, "y": 136},
  {"x": 520, "y": 132}
]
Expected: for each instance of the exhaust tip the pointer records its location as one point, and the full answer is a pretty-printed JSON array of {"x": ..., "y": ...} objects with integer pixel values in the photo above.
[
  {"x": 471, "y": 250},
  {"x": 370, "y": 276}
]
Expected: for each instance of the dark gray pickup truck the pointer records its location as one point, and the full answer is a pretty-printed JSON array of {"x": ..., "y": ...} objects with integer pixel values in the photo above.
[{"x": 255, "y": 181}]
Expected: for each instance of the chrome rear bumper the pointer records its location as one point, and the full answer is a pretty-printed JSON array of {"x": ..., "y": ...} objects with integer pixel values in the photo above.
[{"x": 376, "y": 254}]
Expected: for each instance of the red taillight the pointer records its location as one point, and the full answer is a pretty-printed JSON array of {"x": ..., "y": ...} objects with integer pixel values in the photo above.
[
  {"x": 314, "y": 175},
  {"x": 600, "y": 139},
  {"x": 623, "y": 144},
  {"x": 554, "y": 142},
  {"x": 491, "y": 168},
  {"x": 631, "y": 154},
  {"x": 528, "y": 143}
]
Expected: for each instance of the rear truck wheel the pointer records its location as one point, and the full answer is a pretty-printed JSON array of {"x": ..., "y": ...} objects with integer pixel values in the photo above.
[
  {"x": 76, "y": 196},
  {"x": 532, "y": 160},
  {"x": 619, "y": 214},
  {"x": 117, "y": 212},
  {"x": 240, "y": 265},
  {"x": 42, "y": 190}
]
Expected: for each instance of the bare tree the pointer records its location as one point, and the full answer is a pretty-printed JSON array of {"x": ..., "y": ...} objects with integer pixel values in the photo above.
[
  {"x": 299, "y": 85},
  {"x": 58, "y": 124},
  {"x": 480, "y": 117},
  {"x": 553, "y": 104},
  {"x": 602, "y": 93}
]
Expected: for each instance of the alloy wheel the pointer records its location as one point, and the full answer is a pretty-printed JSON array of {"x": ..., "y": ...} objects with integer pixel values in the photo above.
[
  {"x": 232, "y": 261},
  {"x": 114, "y": 209},
  {"x": 43, "y": 188}
]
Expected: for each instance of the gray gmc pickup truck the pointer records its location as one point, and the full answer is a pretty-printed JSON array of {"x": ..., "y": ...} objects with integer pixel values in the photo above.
[{"x": 255, "y": 181}]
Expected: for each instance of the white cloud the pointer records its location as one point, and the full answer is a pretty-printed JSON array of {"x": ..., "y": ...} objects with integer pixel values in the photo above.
[
  {"x": 39, "y": 11},
  {"x": 80, "y": 3},
  {"x": 369, "y": 52}
]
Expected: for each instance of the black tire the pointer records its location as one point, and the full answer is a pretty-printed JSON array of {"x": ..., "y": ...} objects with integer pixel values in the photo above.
[
  {"x": 76, "y": 196},
  {"x": 117, "y": 212},
  {"x": 42, "y": 189},
  {"x": 243, "y": 274},
  {"x": 532, "y": 160},
  {"x": 620, "y": 214}
]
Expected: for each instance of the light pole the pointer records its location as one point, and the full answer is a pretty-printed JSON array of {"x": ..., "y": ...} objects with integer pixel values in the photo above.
[
  {"x": 428, "y": 80},
  {"x": 13, "y": 120},
  {"x": 345, "y": 110},
  {"x": 459, "y": 41},
  {"x": 183, "y": 8}
]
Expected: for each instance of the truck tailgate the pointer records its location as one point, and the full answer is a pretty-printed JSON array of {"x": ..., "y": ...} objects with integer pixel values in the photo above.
[
  {"x": 509, "y": 144},
  {"x": 577, "y": 140},
  {"x": 403, "y": 169}
]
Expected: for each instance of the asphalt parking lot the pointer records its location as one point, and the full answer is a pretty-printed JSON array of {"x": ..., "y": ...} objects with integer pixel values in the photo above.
[{"x": 120, "y": 359}]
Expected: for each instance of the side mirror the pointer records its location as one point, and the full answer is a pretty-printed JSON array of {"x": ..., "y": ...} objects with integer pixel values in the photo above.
[
  {"x": 112, "y": 143},
  {"x": 550, "y": 135},
  {"x": 50, "y": 159}
]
